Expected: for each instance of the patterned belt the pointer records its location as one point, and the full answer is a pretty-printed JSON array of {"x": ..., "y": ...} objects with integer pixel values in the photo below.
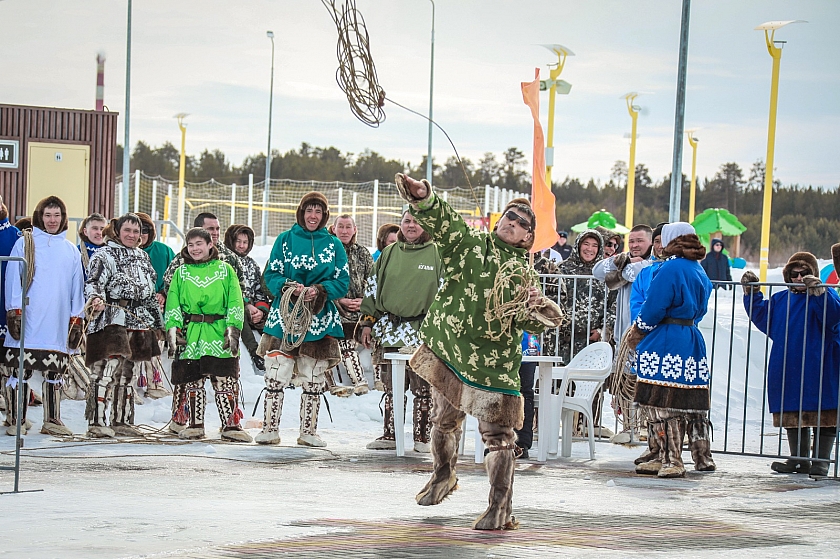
[
  {"x": 208, "y": 318},
  {"x": 680, "y": 321}
]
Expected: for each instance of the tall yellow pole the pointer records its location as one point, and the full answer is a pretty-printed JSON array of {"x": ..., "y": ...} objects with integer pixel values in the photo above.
[
  {"x": 631, "y": 168},
  {"x": 181, "y": 171},
  {"x": 553, "y": 74},
  {"x": 776, "y": 53},
  {"x": 692, "y": 193}
]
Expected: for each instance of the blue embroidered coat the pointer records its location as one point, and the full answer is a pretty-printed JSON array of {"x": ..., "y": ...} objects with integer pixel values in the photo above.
[
  {"x": 674, "y": 355},
  {"x": 308, "y": 257}
]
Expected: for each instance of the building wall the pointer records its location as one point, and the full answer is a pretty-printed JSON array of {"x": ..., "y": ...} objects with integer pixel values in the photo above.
[{"x": 44, "y": 124}]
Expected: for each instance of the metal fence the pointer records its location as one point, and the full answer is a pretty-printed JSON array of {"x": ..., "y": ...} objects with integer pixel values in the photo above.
[
  {"x": 739, "y": 356},
  {"x": 271, "y": 211}
]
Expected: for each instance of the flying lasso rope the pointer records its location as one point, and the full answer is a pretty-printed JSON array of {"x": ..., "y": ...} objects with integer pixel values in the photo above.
[{"x": 356, "y": 74}]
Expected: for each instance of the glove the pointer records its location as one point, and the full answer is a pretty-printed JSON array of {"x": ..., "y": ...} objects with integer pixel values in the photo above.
[
  {"x": 812, "y": 284},
  {"x": 621, "y": 260},
  {"x": 176, "y": 339},
  {"x": 13, "y": 323},
  {"x": 633, "y": 337},
  {"x": 750, "y": 277},
  {"x": 74, "y": 334},
  {"x": 232, "y": 340}
]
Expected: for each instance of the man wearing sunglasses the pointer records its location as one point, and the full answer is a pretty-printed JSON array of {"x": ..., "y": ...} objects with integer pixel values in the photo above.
[{"x": 471, "y": 352}]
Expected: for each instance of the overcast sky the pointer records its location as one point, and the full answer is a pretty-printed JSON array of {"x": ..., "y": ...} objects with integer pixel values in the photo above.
[{"x": 211, "y": 58}]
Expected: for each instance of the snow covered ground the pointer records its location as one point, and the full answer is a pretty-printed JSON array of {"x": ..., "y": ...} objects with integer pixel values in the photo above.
[{"x": 203, "y": 499}]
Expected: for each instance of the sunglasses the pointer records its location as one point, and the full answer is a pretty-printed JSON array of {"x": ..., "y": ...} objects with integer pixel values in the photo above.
[
  {"x": 615, "y": 245},
  {"x": 798, "y": 273},
  {"x": 513, "y": 216},
  {"x": 146, "y": 230}
]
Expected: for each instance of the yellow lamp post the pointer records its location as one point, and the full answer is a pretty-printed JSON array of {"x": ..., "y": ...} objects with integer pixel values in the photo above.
[
  {"x": 692, "y": 140},
  {"x": 554, "y": 87},
  {"x": 631, "y": 168},
  {"x": 182, "y": 170},
  {"x": 775, "y": 51}
]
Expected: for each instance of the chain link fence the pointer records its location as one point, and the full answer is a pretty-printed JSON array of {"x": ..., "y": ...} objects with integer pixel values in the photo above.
[{"x": 271, "y": 211}]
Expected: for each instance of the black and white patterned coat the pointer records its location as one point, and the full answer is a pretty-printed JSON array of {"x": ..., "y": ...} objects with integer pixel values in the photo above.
[{"x": 125, "y": 279}]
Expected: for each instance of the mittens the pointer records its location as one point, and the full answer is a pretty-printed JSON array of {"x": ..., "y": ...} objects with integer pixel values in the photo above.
[
  {"x": 232, "y": 341},
  {"x": 812, "y": 283},
  {"x": 13, "y": 323},
  {"x": 747, "y": 278}
]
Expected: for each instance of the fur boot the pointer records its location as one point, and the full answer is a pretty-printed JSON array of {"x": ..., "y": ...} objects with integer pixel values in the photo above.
[
  {"x": 153, "y": 371},
  {"x": 654, "y": 454},
  {"x": 272, "y": 410},
  {"x": 12, "y": 407},
  {"x": 51, "y": 389},
  {"x": 445, "y": 457},
  {"x": 826, "y": 443},
  {"x": 500, "y": 464},
  {"x": 672, "y": 464},
  {"x": 197, "y": 400},
  {"x": 122, "y": 411},
  {"x": 388, "y": 440},
  {"x": 180, "y": 409},
  {"x": 377, "y": 378},
  {"x": 102, "y": 373},
  {"x": 798, "y": 441},
  {"x": 422, "y": 424},
  {"x": 700, "y": 445},
  {"x": 227, "y": 390},
  {"x": 310, "y": 405},
  {"x": 350, "y": 358}
]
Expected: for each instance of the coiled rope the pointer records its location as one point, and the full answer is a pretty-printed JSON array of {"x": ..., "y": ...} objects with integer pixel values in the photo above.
[
  {"x": 296, "y": 320},
  {"x": 357, "y": 78}
]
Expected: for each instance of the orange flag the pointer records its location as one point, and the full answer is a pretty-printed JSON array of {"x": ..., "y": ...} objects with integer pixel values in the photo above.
[{"x": 542, "y": 199}]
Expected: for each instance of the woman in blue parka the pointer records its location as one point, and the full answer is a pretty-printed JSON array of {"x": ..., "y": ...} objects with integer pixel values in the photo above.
[{"x": 803, "y": 320}]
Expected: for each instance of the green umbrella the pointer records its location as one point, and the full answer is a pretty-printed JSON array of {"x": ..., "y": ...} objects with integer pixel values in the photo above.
[
  {"x": 718, "y": 219},
  {"x": 601, "y": 218}
]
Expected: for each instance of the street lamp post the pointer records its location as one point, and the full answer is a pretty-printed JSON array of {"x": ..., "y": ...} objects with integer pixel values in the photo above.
[
  {"x": 555, "y": 86},
  {"x": 631, "y": 170},
  {"x": 692, "y": 140},
  {"x": 182, "y": 169},
  {"x": 270, "y": 35},
  {"x": 429, "y": 169},
  {"x": 126, "y": 119},
  {"x": 769, "y": 29}
]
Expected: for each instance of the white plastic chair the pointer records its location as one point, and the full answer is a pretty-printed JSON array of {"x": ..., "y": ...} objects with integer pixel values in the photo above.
[{"x": 587, "y": 370}]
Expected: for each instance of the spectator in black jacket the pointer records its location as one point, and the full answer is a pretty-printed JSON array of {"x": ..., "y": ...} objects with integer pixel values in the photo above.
[{"x": 716, "y": 265}]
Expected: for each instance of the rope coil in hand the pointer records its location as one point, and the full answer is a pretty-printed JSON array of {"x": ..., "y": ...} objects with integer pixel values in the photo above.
[
  {"x": 296, "y": 319},
  {"x": 513, "y": 275}
]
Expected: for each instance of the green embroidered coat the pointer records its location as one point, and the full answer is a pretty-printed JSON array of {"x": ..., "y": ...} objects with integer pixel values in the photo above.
[
  {"x": 204, "y": 288},
  {"x": 457, "y": 328},
  {"x": 310, "y": 258}
]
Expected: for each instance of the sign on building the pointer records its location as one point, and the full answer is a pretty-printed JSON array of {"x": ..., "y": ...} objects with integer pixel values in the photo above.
[{"x": 9, "y": 154}]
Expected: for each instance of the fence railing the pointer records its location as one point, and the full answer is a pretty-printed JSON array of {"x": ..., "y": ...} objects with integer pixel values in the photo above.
[
  {"x": 743, "y": 379},
  {"x": 270, "y": 211}
]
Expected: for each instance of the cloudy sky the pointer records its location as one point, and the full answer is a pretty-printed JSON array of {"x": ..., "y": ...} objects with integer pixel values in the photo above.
[{"x": 211, "y": 58}]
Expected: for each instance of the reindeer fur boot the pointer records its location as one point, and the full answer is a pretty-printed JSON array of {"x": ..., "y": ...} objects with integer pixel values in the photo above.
[
  {"x": 672, "y": 464},
  {"x": 700, "y": 445},
  {"x": 500, "y": 464},
  {"x": 445, "y": 457},
  {"x": 656, "y": 436}
]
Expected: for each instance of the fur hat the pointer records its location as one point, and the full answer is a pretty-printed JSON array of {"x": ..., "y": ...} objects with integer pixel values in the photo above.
[
  {"x": 146, "y": 221},
  {"x": 383, "y": 232},
  {"x": 313, "y": 197},
  {"x": 233, "y": 232},
  {"x": 38, "y": 214},
  {"x": 801, "y": 260},
  {"x": 524, "y": 206}
]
